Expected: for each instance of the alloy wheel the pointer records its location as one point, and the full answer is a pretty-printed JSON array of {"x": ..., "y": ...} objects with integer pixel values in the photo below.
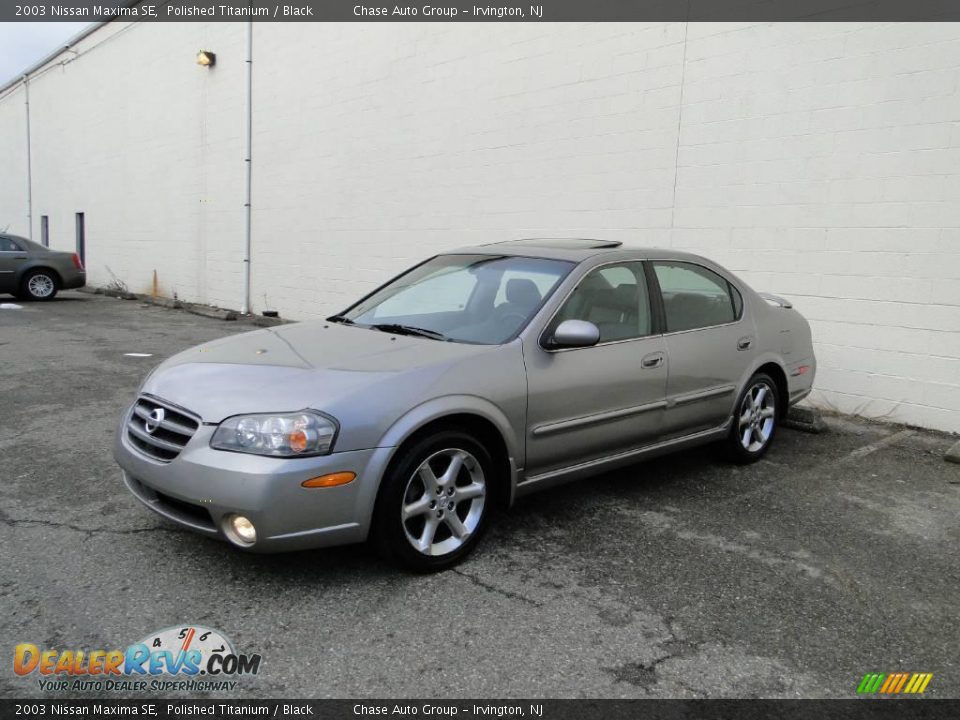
[
  {"x": 443, "y": 502},
  {"x": 41, "y": 286},
  {"x": 757, "y": 417}
]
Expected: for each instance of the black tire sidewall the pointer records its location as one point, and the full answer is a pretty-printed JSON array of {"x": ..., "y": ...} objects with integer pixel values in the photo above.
[
  {"x": 387, "y": 530},
  {"x": 737, "y": 451},
  {"x": 25, "y": 293}
]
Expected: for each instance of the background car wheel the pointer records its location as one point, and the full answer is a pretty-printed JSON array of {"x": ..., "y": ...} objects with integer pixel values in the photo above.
[
  {"x": 755, "y": 420},
  {"x": 434, "y": 502},
  {"x": 39, "y": 285}
]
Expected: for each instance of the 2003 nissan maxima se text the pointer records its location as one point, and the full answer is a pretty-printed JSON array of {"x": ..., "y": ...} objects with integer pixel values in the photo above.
[{"x": 471, "y": 379}]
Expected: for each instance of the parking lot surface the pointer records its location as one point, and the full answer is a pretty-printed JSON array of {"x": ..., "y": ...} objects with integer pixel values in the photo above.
[{"x": 837, "y": 555}]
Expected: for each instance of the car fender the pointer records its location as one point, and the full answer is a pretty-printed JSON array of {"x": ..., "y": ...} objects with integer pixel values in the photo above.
[
  {"x": 764, "y": 358},
  {"x": 34, "y": 264},
  {"x": 440, "y": 407}
]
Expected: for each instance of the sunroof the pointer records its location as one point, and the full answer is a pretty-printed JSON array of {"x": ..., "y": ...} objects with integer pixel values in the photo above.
[{"x": 567, "y": 243}]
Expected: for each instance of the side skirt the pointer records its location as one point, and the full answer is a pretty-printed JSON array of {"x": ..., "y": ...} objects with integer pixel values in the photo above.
[{"x": 551, "y": 478}]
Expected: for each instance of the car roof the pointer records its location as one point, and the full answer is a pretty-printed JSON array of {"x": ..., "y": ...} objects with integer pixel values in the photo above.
[{"x": 576, "y": 250}]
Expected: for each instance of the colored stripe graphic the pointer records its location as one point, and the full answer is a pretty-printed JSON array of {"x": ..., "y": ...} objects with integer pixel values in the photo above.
[
  {"x": 918, "y": 683},
  {"x": 890, "y": 682},
  {"x": 894, "y": 683},
  {"x": 871, "y": 682}
]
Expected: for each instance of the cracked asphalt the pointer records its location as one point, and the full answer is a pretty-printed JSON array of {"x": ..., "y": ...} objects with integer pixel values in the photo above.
[{"x": 837, "y": 555}]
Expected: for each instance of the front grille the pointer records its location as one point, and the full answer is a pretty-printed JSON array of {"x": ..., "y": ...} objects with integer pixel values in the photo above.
[{"x": 160, "y": 430}]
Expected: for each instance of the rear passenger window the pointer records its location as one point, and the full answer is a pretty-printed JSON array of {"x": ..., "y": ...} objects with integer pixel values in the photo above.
[
  {"x": 8, "y": 245},
  {"x": 614, "y": 298},
  {"x": 694, "y": 297}
]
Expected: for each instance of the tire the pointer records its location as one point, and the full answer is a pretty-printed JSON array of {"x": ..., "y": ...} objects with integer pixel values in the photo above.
[
  {"x": 758, "y": 418},
  {"x": 39, "y": 285},
  {"x": 432, "y": 537}
]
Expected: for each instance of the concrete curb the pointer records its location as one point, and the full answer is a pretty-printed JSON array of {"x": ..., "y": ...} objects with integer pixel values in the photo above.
[
  {"x": 953, "y": 454},
  {"x": 211, "y": 312},
  {"x": 202, "y": 310},
  {"x": 805, "y": 419}
]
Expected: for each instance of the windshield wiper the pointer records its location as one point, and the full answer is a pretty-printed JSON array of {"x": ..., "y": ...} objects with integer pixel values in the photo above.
[
  {"x": 409, "y": 330},
  {"x": 340, "y": 319}
]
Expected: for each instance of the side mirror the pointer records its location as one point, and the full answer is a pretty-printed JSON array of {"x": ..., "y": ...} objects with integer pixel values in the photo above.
[{"x": 574, "y": 334}]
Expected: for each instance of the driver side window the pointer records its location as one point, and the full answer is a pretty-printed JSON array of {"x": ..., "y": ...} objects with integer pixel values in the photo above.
[{"x": 615, "y": 299}]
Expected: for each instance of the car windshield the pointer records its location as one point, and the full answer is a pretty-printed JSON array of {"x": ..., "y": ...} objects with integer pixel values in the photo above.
[{"x": 483, "y": 299}]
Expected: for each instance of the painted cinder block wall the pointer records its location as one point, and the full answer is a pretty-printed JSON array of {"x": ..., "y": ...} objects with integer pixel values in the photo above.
[{"x": 819, "y": 161}]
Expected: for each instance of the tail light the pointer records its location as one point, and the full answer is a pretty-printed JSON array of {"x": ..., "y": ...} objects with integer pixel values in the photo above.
[{"x": 77, "y": 262}]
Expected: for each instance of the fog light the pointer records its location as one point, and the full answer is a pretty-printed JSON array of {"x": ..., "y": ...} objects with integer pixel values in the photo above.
[{"x": 240, "y": 530}]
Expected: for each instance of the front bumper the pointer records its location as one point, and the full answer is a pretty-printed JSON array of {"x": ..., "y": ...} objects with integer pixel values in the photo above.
[{"x": 201, "y": 487}]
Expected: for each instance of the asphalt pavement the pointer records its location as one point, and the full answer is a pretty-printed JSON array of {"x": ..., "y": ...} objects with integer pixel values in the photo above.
[{"x": 835, "y": 556}]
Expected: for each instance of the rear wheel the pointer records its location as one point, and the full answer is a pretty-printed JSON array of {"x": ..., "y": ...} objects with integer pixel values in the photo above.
[
  {"x": 434, "y": 502},
  {"x": 755, "y": 420},
  {"x": 39, "y": 285}
]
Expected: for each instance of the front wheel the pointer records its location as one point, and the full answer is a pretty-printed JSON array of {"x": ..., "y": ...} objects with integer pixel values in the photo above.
[
  {"x": 755, "y": 420},
  {"x": 434, "y": 502}
]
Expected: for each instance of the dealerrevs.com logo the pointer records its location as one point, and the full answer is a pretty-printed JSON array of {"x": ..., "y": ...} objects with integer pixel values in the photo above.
[{"x": 188, "y": 658}]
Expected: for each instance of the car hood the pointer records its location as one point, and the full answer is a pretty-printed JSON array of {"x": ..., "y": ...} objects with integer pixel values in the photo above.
[{"x": 291, "y": 367}]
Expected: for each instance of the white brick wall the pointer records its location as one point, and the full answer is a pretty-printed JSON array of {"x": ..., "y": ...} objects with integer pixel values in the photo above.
[
  {"x": 13, "y": 158},
  {"x": 829, "y": 156},
  {"x": 820, "y": 161}
]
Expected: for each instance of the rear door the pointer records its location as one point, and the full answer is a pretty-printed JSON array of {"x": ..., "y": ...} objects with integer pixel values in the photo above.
[
  {"x": 592, "y": 402},
  {"x": 11, "y": 257},
  {"x": 709, "y": 344}
]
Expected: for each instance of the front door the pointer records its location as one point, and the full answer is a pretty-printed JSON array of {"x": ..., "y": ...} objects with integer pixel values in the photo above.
[
  {"x": 11, "y": 257},
  {"x": 592, "y": 402}
]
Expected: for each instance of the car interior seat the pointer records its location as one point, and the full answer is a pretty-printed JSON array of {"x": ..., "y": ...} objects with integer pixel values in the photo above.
[{"x": 523, "y": 298}]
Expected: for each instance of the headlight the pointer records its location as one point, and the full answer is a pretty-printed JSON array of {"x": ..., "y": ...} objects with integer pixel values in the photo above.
[{"x": 290, "y": 435}]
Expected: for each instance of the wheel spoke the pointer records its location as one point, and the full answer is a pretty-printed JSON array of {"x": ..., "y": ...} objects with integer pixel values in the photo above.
[
  {"x": 745, "y": 417},
  {"x": 455, "y": 525},
  {"x": 426, "y": 537},
  {"x": 427, "y": 477},
  {"x": 767, "y": 412},
  {"x": 762, "y": 435},
  {"x": 450, "y": 474},
  {"x": 761, "y": 393},
  {"x": 418, "y": 507},
  {"x": 746, "y": 437},
  {"x": 472, "y": 490}
]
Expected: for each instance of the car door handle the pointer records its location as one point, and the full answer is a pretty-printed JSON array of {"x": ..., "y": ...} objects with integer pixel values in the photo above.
[
  {"x": 653, "y": 361},
  {"x": 19, "y": 257},
  {"x": 744, "y": 343}
]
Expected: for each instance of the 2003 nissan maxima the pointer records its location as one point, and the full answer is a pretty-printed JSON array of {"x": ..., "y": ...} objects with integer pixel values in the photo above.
[{"x": 473, "y": 378}]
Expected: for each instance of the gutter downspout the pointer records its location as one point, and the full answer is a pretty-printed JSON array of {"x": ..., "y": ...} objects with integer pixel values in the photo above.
[
  {"x": 248, "y": 160},
  {"x": 26, "y": 91}
]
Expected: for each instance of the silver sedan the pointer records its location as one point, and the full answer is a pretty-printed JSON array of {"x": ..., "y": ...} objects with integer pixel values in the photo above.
[{"x": 471, "y": 379}]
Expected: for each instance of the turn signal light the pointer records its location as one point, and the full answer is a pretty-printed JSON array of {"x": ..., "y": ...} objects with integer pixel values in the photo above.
[
  {"x": 298, "y": 440},
  {"x": 331, "y": 480}
]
